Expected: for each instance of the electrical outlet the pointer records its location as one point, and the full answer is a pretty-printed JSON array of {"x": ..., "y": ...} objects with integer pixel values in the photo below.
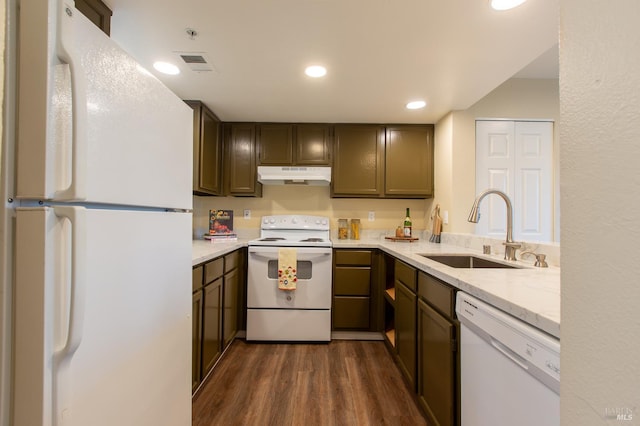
[
  {"x": 445, "y": 217},
  {"x": 372, "y": 216},
  {"x": 247, "y": 214}
]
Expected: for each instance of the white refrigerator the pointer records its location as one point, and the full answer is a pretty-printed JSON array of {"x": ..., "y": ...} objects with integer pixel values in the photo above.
[{"x": 101, "y": 246}]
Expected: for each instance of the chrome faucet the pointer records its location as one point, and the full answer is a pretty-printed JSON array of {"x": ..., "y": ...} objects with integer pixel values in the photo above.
[{"x": 474, "y": 216}]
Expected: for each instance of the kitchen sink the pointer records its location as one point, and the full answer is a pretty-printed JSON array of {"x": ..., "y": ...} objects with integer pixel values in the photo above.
[{"x": 467, "y": 261}]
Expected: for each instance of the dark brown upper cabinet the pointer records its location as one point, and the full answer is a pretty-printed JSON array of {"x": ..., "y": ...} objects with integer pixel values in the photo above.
[
  {"x": 284, "y": 144},
  {"x": 240, "y": 170},
  {"x": 409, "y": 161},
  {"x": 375, "y": 161},
  {"x": 207, "y": 150},
  {"x": 97, "y": 12},
  {"x": 358, "y": 160}
]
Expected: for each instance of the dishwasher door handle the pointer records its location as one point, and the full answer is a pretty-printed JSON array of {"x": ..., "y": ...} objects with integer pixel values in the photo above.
[{"x": 510, "y": 354}]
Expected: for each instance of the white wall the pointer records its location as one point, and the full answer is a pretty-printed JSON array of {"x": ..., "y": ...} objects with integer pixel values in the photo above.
[
  {"x": 515, "y": 98},
  {"x": 600, "y": 188}
]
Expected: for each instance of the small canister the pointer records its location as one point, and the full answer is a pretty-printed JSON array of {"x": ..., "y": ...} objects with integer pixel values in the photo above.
[
  {"x": 355, "y": 229},
  {"x": 343, "y": 229}
]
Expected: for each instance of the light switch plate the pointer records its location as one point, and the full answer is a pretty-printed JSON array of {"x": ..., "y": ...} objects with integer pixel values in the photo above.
[{"x": 247, "y": 214}]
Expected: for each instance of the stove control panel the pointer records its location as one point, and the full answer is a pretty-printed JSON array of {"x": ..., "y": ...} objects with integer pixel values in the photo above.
[{"x": 295, "y": 222}]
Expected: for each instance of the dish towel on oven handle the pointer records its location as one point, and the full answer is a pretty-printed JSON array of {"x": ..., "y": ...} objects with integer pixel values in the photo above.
[{"x": 287, "y": 263}]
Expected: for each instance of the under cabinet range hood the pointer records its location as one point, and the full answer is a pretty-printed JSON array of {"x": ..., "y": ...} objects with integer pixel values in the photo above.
[{"x": 294, "y": 175}]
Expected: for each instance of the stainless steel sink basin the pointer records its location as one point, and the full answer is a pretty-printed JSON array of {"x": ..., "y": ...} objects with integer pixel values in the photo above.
[{"x": 467, "y": 261}]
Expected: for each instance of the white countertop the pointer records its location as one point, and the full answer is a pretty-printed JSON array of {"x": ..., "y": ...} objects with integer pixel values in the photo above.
[
  {"x": 531, "y": 294},
  {"x": 204, "y": 250}
]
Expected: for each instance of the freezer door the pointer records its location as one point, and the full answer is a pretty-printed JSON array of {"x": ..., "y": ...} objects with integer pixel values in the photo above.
[
  {"x": 102, "y": 317},
  {"x": 94, "y": 125}
]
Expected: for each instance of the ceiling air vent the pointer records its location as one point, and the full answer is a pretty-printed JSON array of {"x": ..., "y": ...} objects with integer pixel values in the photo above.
[{"x": 196, "y": 61}]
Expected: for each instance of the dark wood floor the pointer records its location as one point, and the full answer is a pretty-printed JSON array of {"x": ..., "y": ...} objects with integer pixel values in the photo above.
[{"x": 340, "y": 383}]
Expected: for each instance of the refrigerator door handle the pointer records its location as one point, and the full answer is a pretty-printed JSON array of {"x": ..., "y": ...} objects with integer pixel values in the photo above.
[
  {"x": 65, "y": 52},
  {"x": 77, "y": 217}
]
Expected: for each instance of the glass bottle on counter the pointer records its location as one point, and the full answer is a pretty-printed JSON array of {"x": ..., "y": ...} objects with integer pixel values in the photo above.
[
  {"x": 407, "y": 225},
  {"x": 343, "y": 229},
  {"x": 355, "y": 229}
]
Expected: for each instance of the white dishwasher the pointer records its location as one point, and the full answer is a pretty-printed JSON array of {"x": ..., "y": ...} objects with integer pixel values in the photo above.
[{"x": 510, "y": 371}]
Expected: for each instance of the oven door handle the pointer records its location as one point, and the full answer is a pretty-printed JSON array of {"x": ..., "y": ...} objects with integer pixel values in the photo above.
[{"x": 273, "y": 255}]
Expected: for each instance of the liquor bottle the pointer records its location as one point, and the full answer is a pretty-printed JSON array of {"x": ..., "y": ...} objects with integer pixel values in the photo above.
[{"x": 407, "y": 224}]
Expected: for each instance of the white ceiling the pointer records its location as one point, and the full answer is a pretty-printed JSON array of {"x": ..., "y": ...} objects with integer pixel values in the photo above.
[{"x": 380, "y": 54}]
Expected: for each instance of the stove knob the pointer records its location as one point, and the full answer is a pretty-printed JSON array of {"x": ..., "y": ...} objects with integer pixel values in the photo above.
[
  {"x": 317, "y": 221},
  {"x": 265, "y": 221},
  {"x": 272, "y": 221},
  {"x": 324, "y": 221},
  {"x": 294, "y": 220}
]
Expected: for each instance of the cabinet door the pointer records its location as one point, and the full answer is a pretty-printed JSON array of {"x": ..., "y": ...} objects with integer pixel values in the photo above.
[
  {"x": 230, "y": 320},
  {"x": 97, "y": 12},
  {"x": 352, "y": 280},
  {"x": 313, "y": 142},
  {"x": 406, "y": 331},
  {"x": 275, "y": 143},
  {"x": 409, "y": 161},
  {"x": 207, "y": 150},
  {"x": 196, "y": 339},
  {"x": 436, "y": 365},
  {"x": 351, "y": 313},
  {"x": 358, "y": 168},
  {"x": 240, "y": 166},
  {"x": 211, "y": 325}
]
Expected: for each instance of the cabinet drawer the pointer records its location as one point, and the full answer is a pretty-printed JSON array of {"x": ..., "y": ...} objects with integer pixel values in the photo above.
[
  {"x": 351, "y": 312},
  {"x": 438, "y": 294},
  {"x": 231, "y": 261},
  {"x": 197, "y": 278},
  {"x": 353, "y": 257},
  {"x": 352, "y": 281},
  {"x": 213, "y": 270},
  {"x": 405, "y": 274}
]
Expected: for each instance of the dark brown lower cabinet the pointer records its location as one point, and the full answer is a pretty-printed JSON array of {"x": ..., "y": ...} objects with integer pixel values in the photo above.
[
  {"x": 211, "y": 325},
  {"x": 230, "y": 321},
  {"x": 351, "y": 313},
  {"x": 196, "y": 346},
  {"x": 353, "y": 298},
  {"x": 438, "y": 356},
  {"x": 405, "y": 323},
  {"x": 436, "y": 365}
]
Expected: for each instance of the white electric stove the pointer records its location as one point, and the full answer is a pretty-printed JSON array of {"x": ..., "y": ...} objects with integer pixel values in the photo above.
[{"x": 303, "y": 314}]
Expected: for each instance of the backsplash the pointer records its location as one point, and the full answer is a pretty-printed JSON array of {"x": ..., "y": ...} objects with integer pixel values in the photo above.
[{"x": 389, "y": 213}]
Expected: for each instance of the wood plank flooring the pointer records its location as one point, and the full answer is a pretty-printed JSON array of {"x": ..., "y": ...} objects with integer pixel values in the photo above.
[{"x": 340, "y": 383}]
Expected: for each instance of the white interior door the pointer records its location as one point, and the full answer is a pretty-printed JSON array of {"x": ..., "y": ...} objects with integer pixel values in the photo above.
[
  {"x": 494, "y": 169},
  {"x": 516, "y": 157}
]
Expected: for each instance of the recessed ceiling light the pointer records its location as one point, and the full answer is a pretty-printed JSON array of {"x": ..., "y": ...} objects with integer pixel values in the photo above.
[
  {"x": 416, "y": 104},
  {"x": 166, "y": 68},
  {"x": 315, "y": 71},
  {"x": 506, "y": 4}
]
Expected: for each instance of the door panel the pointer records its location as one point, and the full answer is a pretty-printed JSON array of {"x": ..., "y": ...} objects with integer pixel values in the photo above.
[
  {"x": 126, "y": 150},
  {"x": 516, "y": 158},
  {"x": 131, "y": 314},
  {"x": 436, "y": 364},
  {"x": 358, "y": 165}
]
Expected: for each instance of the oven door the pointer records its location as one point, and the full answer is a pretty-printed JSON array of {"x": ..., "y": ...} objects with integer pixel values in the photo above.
[{"x": 313, "y": 289}]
